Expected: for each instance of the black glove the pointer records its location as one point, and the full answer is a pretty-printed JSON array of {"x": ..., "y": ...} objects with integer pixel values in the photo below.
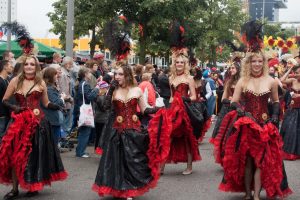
[
  {"x": 225, "y": 101},
  {"x": 53, "y": 106},
  {"x": 275, "y": 113},
  {"x": 107, "y": 100},
  {"x": 186, "y": 99},
  {"x": 237, "y": 107},
  {"x": 15, "y": 108},
  {"x": 151, "y": 110},
  {"x": 113, "y": 85}
]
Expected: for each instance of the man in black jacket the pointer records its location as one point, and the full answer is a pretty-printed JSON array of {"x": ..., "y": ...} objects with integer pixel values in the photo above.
[
  {"x": 5, "y": 70},
  {"x": 164, "y": 85}
]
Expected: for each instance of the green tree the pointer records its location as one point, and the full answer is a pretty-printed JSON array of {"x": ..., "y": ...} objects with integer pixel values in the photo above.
[
  {"x": 89, "y": 18},
  {"x": 276, "y": 30},
  {"x": 219, "y": 21}
]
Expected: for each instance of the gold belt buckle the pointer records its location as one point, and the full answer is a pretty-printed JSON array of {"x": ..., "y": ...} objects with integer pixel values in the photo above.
[
  {"x": 135, "y": 118},
  {"x": 292, "y": 102},
  {"x": 120, "y": 119},
  {"x": 36, "y": 111},
  {"x": 264, "y": 116}
]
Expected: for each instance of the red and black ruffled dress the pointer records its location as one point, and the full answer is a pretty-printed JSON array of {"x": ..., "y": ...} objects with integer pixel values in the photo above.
[
  {"x": 224, "y": 110},
  {"x": 290, "y": 129},
  {"x": 182, "y": 130},
  {"x": 219, "y": 136},
  {"x": 29, "y": 149},
  {"x": 252, "y": 135},
  {"x": 129, "y": 166},
  {"x": 203, "y": 108}
]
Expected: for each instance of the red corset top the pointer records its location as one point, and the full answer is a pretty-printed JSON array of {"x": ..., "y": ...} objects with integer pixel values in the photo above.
[
  {"x": 295, "y": 91},
  {"x": 126, "y": 117},
  {"x": 181, "y": 88},
  {"x": 257, "y": 105},
  {"x": 31, "y": 101},
  {"x": 295, "y": 103}
]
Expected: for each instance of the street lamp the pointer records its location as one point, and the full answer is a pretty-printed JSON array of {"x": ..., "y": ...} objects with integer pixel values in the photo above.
[{"x": 8, "y": 47}]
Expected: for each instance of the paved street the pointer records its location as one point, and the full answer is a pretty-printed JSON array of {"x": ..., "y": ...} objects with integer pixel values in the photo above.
[{"x": 201, "y": 185}]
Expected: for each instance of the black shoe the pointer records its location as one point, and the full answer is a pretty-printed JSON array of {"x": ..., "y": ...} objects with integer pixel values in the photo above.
[
  {"x": 11, "y": 195},
  {"x": 31, "y": 194}
]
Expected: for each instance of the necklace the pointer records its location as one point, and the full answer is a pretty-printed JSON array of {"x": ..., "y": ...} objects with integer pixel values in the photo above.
[
  {"x": 179, "y": 73},
  {"x": 257, "y": 76},
  {"x": 29, "y": 79}
]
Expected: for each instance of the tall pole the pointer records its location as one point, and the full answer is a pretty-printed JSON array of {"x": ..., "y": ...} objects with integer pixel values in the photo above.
[
  {"x": 70, "y": 28},
  {"x": 8, "y": 47},
  {"x": 263, "y": 11}
]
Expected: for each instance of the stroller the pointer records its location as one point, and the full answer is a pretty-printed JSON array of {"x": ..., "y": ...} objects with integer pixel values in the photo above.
[{"x": 66, "y": 143}]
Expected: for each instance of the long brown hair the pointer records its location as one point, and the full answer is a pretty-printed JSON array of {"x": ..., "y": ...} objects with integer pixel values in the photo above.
[
  {"x": 128, "y": 74},
  {"x": 21, "y": 77},
  {"x": 233, "y": 79}
]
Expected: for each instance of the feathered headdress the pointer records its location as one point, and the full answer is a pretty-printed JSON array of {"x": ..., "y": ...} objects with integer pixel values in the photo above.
[
  {"x": 177, "y": 39},
  {"x": 252, "y": 35},
  {"x": 117, "y": 37},
  {"x": 22, "y": 35}
]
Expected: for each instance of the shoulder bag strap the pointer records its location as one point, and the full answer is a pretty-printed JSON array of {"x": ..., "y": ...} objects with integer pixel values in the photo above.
[{"x": 83, "y": 92}]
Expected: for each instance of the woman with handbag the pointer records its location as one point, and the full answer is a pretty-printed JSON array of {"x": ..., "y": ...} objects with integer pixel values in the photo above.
[
  {"x": 55, "y": 117},
  {"x": 85, "y": 94},
  {"x": 149, "y": 95}
]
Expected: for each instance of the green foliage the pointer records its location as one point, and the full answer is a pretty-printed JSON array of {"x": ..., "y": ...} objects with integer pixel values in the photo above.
[
  {"x": 275, "y": 30},
  {"x": 208, "y": 23}
]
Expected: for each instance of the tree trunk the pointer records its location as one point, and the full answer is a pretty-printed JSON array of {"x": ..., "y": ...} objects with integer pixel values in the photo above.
[
  {"x": 93, "y": 43},
  {"x": 213, "y": 55},
  {"x": 142, "y": 53}
]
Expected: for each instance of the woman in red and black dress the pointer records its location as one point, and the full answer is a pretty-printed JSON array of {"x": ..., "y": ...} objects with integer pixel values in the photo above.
[
  {"x": 218, "y": 138},
  {"x": 28, "y": 155},
  {"x": 291, "y": 122},
  {"x": 252, "y": 158},
  {"x": 201, "y": 102},
  {"x": 129, "y": 166},
  {"x": 184, "y": 145}
]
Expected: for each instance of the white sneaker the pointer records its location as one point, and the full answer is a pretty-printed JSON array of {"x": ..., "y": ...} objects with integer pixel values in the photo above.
[
  {"x": 85, "y": 156},
  {"x": 129, "y": 198}
]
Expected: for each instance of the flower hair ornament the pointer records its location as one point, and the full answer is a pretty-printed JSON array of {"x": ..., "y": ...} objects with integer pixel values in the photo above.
[
  {"x": 117, "y": 37},
  {"x": 22, "y": 36}
]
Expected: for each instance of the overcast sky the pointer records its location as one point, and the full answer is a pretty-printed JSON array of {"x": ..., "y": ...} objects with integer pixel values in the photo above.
[{"x": 32, "y": 13}]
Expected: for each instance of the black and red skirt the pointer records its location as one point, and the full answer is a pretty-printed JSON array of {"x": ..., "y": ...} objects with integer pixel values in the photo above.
[
  {"x": 131, "y": 158},
  {"x": 29, "y": 149},
  {"x": 182, "y": 133},
  {"x": 224, "y": 110},
  {"x": 290, "y": 132},
  {"x": 264, "y": 145}
]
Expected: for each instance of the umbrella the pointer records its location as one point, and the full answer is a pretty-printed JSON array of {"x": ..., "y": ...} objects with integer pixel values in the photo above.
[{"x": 43, "y": 50}]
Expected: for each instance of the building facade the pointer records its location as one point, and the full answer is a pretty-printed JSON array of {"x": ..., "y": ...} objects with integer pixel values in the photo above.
[
  {"x": 4, "y": 10},
  {"x": 268, "y": 9}
]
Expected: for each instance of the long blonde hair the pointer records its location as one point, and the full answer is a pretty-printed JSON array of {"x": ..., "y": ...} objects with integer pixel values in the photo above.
[
  {"x": 246, "y": 64},
  {"x": 38, "y": 75},
  {"x": 173, "y": 66}
]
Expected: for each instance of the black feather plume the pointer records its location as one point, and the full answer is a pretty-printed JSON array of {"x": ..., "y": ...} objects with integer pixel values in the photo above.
[
  {"x": 117, "y": 37},
  {"x": 234, "y": 48},
  {"x": 22, "y": 35},
  {"x": 177, "y": 40},
  {"x": 252, "y": 35}
]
